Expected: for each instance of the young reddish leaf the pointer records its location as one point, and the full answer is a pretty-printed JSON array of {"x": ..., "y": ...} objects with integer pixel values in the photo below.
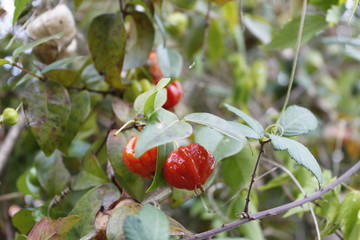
[
  {"x": 49, "y": 229},
  {"x": 47, "y": 109},
  {"x": 107, "y": 41}
]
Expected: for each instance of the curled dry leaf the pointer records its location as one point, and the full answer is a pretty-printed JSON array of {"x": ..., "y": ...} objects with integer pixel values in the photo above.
[{"x": 56, "y": 20}]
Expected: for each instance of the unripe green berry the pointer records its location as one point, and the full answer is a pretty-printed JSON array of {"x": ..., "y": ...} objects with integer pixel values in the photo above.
[
  {"x": 145, "y": 85},
  {"x": 10, "y": 116},
  {"x": 136, "y": 88}
]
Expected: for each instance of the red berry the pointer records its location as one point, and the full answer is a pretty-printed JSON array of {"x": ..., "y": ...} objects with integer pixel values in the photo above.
[
  {"x": 189, "y": 167},
  {"x": 145, "y": 165},
  {"x": 154, "y": 67},
  {"x": 174, "y": 94}
]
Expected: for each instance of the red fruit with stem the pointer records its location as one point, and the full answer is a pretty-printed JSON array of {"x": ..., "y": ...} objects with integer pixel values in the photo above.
[
  {"x": 174, "y": 94},
  {"x": 189, "y": 167},
  {"x": 145, "y": 165}
]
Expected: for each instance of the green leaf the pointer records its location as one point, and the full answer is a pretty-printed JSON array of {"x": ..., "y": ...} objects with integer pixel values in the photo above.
[
  {"x": 162, "y": 154},
  {"x": 156, "y": 224},
  {"x": 91, "y": 174},
  {"x": 80, "y": 109},
  {"x": 133, "y": 183},
  {"x": 87, "y": 207},
  {"x": 155, "y": 101},
  {"x": 20, "y": 6},
  {"x": 62, "y": 63},
  {"x": 47, "y": 109},
  {"x": 23, "y": 220},
  {"x": 4, "y": 61},
  {"x": 348, "y": 215},
  {"x": 297, "y": 120},
  {"x": 63, "y": 76},
  {"x": 247, "y": 131},
  {"x": 299, "y": 153},
  {"x": 219, "y": 145},
  {"x": 240, "y": 165},
  {"x": 215, "y": 41},
  {"x": 176, "y": 229},
  {"x": 254, "y": 124},
  {"x": 122, "y": 109},
  {"x": 141, "y": 40},
  {"x": 49, "y": 229},
  {"x": 25, "y": 186},
  {"x": 21, "y": 49},
  {"x": 52, "y": 173},
  {"x": 218, "y": 124},
  {"x": 170, "y": 61},
  {"x": 150, "y": 101},
  {"x": 114, "y": 229},
  {"x": 162, "y": 127},
  {"x": 287, "y": 36},
  {"x": 107, "y": 41},
  {"x": 77, "y": 3},
  {"x": 134, "y": 228}
]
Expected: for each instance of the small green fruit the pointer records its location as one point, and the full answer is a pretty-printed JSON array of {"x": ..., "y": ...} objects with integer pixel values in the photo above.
[
  {"x": 145, "y": 85},
  {"x": 9, "y": 116}
]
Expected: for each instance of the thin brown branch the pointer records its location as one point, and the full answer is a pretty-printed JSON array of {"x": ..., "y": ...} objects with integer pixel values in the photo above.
[
  {"x": 279, "y": 209},
  {"x": 8, "y": 144},
  {"x": 27, "y": 71}
]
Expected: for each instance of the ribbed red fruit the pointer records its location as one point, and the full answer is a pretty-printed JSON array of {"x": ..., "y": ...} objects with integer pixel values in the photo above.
[
  {"x": 145, "y": 165},
  {"x": 189, "y": 167}
]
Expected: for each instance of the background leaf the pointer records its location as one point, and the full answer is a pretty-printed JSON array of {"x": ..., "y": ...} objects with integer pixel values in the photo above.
[
  {"x": 80, "y": 109},
  {"x": 348, "y": 215},
  {"x": 20, "y": 6},
  {"x": 156, "y": 224},
  {"x": 218, "y": 124},
  {"x": 47, "y": 109},
  {"x": 162, "y": 154},
  {"x": 162, "y": 127},
  {"x": 140, "y": 42},
  {"x": 107, "y": 41},
  {"x": 87, "y": 207},
  {"x": 114, "y": 228},
  {"x": 170, "y": 61},
  {"x": 21, "y": 49},
  {"x": 52, "y": 173},
  {"x": 287, "y": 36},
  {"x": 297, "y": 120},
  {"x": 91, "y": 174},
  {"x": 299, "y": 153}
]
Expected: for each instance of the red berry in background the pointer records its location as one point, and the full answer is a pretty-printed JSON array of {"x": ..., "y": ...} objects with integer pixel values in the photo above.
[
  {"x": 189, "y": 167},
  {"x": 154, "y": 67},
  {"x": 174, "y": 94},
  {"x": 145, "y": 165}
]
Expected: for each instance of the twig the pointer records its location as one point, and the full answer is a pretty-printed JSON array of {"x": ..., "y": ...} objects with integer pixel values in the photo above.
[
  {"x": 246, "y": 208},
  {"x": 10, "y": 196},
  {"x": 9, "y": 142},
  {"x": 298, "y": 44},
  {"x": 288, "y": 172},
  {"x": 111, "y": 92},
  {"x": 279, "y": 209},
  {"x": 206, "y": 31},
  {"x": 27, "y": 71}
]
